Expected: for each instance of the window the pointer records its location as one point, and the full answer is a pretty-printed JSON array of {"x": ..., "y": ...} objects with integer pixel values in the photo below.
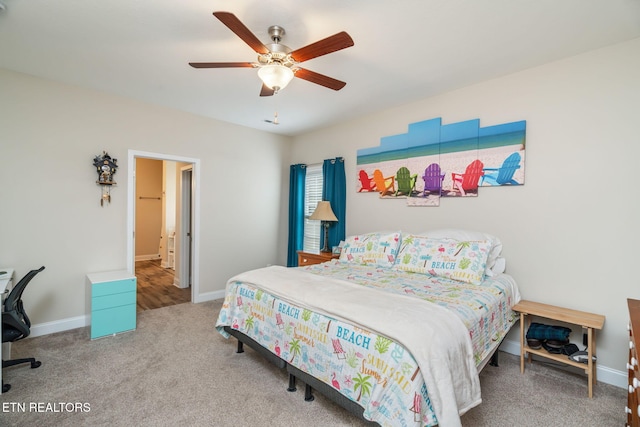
[{"x": 312, "y": 195}]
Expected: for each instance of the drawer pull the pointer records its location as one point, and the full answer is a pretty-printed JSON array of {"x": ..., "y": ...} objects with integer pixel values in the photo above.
[
  {"x": 631, "y": 389},
  {"x": 634, "y": 362},
  {"x": 631, "y": 345},
  {"x": 635, "y": 382},
  {"x": 627, "y": 410}
]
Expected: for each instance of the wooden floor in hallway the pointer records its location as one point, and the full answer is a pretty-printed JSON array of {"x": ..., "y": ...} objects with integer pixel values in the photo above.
[{"x": 156, "y": 288}]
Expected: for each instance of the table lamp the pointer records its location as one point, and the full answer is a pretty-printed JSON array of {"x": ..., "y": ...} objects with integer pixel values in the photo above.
[{"x": 324, "y": 213}]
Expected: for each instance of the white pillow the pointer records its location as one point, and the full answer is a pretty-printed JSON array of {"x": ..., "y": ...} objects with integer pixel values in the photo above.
[
  {"x": 466, "y": 235},
  {"x": 498, "y": 268}
]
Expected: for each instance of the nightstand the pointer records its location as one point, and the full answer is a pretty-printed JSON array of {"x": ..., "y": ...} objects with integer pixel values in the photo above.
[{"x": 307, "y": 258}]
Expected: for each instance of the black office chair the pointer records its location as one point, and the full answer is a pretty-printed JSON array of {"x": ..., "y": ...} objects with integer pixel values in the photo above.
[{"x": 15, "y": 322}]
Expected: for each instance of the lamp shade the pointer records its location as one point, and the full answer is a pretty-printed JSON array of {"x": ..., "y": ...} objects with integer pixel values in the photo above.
[
  {"x": 323, "y": 212},
  {"x": 276, "y": 76}
]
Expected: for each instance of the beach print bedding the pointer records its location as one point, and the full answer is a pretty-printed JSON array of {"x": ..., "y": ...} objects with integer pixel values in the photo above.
[
  {"x": 415, "y": 365},
  {"x": 485, "y": 308}
]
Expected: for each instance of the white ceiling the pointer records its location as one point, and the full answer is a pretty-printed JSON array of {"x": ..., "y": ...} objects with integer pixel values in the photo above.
[{"x": 404, "y": 50}]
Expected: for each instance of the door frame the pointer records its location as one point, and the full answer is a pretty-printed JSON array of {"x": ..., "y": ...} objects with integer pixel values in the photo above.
[
  {"x": 195, "y": 204},
  {"x": 185, "y": 275}
]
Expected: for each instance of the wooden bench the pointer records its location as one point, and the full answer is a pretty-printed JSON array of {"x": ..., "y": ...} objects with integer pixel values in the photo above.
[{"x": 589, "y": 321}]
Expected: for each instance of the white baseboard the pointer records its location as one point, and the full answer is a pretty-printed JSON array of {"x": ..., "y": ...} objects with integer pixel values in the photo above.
[
  {"x": 147, "y": 257},
  {"x": 59, "y": 325},
  {"x": 82, "y": 321},
  {"x": 176, "y": 282},
  {"x": 209, "y": 296},
  {"x": 511, "y": 347},
  {"x": 605, "y": 374}
]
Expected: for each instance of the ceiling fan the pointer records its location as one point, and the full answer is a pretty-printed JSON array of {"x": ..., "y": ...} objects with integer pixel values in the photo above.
[{"x": 277, "y": 64}]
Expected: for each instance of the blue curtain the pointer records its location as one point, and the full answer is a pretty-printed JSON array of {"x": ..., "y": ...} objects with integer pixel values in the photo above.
[
  {"x": 297, "y": 175},
  {"x": 334, "y": 190}
]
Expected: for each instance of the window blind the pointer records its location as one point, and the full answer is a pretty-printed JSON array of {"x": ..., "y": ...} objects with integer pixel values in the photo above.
[{"x": 312, "y": 195}]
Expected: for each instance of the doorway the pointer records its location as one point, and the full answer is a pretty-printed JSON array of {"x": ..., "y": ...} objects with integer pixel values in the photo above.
[
  {"x": 186, "y": 224},
  {"x": 177, "y": 246}
]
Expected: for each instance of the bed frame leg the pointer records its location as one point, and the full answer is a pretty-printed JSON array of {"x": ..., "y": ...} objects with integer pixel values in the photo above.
[
  {"x": 308, "y": 393},
  {"x": 240, "y": 349},
  {"x": 292, "y": 383},
  {"x": 494, "y": 359}
]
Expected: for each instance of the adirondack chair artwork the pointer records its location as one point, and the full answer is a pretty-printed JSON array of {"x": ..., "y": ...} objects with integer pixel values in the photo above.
[
  {"x": 432, "y": 179},
  {"x": 366, "y": 184},
  {"x": 504, "y": 174},
  {"x": 384, "y": 185},
  {"x": 467, "y": 183},
  {"x": 406, "y": 182},
  {"x": 451, "y": 159}
]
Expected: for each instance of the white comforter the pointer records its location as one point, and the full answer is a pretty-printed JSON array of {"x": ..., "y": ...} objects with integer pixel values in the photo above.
[{"x": 437, "y": 339}]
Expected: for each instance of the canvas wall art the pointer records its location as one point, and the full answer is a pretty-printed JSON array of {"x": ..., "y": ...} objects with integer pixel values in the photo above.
[{"x": 432, "y": 161}]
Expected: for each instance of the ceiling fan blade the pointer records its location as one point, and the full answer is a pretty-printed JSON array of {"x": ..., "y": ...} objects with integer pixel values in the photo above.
[
  {"x": 320, "y": 79},
  {"x": 332, "y": 43},
  {"x": 222, "y": 64},
  {"x": 266, "y": 90},
  {"x": 234, "y": 24}
]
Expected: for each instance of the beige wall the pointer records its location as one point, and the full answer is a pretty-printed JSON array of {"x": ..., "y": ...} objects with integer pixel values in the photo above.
[
  {"x": 169, "y": 201},
  {"x": 149, "y": 179},
  {"x": 569, "y": 233},
  {"x": 51, "y": 213}
]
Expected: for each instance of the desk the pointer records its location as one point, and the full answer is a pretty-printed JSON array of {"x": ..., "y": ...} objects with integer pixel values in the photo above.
[{"x": 6, "y": 283}]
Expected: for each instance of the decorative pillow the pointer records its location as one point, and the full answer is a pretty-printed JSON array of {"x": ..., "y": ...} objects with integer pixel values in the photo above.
[
  {"x": 467, "y": 235},
  {"x": 464, "y": 261},
  {"x": 371, "y": 249}
]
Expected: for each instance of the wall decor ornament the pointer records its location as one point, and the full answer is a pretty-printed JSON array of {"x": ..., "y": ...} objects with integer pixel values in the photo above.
[
  {"x": 106, "y": 167},
  {"x": 433, "y": 160}
]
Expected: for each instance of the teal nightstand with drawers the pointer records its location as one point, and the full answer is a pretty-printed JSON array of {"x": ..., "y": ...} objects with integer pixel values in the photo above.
[{"x": 113, "y": 302}]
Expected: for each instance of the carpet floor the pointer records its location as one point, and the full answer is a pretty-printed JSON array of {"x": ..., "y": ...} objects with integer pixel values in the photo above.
[{"x": 176, "y": 369}]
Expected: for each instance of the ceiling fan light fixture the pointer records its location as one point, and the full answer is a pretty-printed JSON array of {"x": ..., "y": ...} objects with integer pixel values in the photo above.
[
  {"x": 275, "y": 76},
  {"x": 277, "y": 64}
]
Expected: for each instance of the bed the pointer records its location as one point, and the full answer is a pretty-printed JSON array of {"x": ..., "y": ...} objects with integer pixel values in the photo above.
[{"x": 396, "y": 330}]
